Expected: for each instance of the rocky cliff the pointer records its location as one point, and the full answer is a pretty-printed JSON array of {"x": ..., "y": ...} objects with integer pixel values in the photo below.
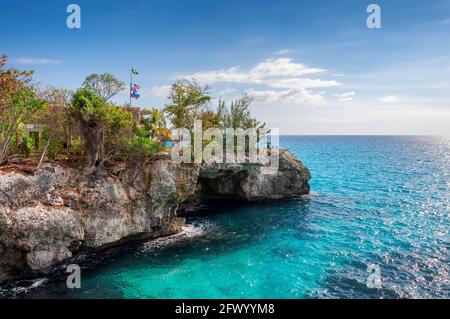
[
  {"x": 51, "y": 215},
  {"x": 247, "y": 181}
]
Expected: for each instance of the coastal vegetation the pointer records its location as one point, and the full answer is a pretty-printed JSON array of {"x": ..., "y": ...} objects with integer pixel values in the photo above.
[
  {"x": 81, "y": 173},
  {"x": 85, "y": 127}
]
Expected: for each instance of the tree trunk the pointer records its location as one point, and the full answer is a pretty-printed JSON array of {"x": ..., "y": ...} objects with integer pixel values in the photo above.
[
  {"x": 4, "y": 147},
  {"x": 92, "y": 138},
  {"x": 5, "y": 144},
  {"x": 9, "y": 134},
  {"x": 43, "y": 154}
]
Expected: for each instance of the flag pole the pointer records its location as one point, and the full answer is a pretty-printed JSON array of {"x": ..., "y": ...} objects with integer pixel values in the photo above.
[{"x": 131, "y": 83}]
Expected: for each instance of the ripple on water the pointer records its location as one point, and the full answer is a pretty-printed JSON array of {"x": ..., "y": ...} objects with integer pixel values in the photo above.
[{"x": 375, "y": 200}]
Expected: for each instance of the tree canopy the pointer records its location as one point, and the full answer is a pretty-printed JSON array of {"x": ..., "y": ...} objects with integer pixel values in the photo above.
[
  {"x": 104, "y": 85},
  {"x": 18, "y": 102},
  {"x": 238, "y": 114},
  {"x": 187, "y": 100},
  {"x": 90, "y": 112},
  {"x": 84, "y": 122}
]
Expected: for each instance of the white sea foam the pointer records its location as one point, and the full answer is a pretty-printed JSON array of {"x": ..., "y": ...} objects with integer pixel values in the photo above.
[
  {"x": 189, "y": 232},
  {"x": 24, "y": 288}
]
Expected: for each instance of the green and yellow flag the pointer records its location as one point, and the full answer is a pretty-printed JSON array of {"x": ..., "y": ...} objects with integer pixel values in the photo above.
[{"x": 134, "y": 71}]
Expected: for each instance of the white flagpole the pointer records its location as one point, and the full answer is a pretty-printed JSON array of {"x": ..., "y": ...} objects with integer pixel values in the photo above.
[{"x": 131, "y": 83}]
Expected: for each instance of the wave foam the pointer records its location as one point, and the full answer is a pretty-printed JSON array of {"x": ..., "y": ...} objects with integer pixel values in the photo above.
[
  {"x": 24, "y": 287},
  {"x": 188, "y": 233}
]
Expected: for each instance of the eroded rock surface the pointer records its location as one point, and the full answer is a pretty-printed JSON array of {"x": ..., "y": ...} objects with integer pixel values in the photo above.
[
  {"x": 248, "y": 182},
  {"x": 56, "y": 213}
]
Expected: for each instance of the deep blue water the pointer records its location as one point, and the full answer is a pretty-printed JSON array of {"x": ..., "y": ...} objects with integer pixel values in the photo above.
[{"x": 375, "y": 200}]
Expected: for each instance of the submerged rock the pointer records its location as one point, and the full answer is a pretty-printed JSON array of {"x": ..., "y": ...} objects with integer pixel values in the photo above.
[{"x": 58, "y": 213}]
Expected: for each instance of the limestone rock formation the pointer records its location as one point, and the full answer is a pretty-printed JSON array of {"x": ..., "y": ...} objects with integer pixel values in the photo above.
[
  {"x": 49, "y": 216},
  {"x": 57, "y": 212},
  {"x": 247, "y": 181}
]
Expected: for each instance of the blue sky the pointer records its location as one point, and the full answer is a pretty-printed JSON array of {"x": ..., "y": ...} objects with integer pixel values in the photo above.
[{"x": 313, "y": 67}]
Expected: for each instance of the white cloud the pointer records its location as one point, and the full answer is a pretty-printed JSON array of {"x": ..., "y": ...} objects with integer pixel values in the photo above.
[
  {"x": 390, "y": 99},
  {"x": 35, "y": 61},
  {"x": 226, "y": 91},
  {"x": 294, "y": 80},
  {"x": 345, "y": 97},
  {"x": 282, "y": 67},
  {"x": 160, "y": 91},
  {"x": 300, "y": 83},
  {"x": 286, "y": 96},
  {"x": 266, "y": 72},
  {"x": 282, "y": 51}
]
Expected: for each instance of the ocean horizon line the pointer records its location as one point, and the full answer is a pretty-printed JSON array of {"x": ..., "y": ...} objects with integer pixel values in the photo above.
[{"x": 365, "y": 135}]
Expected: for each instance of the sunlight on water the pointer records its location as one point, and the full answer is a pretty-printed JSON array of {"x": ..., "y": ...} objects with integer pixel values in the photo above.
[{"x": 374, "y": 200}]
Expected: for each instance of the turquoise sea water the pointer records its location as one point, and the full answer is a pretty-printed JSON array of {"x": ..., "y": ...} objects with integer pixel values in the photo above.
[{"x": 375, "y": 200}]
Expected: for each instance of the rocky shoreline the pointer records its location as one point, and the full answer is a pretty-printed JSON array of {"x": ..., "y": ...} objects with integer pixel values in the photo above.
[{"x": 57, "y": 213}]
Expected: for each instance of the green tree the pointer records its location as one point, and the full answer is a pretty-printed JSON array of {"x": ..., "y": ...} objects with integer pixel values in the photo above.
[
  {"x": 89, "y": 110},
  {"x": 118, "y": 132},
  {"x": 54, "y": 116},
  {"x": 21, "y": 105},
  {"x": 16, "y": 91},
  {"x": 104, "y": 85},
  {"x": 135, "y": 141},
  {"x": 153, "y": 122},
  {"x": 210, "y": 119},
  {"x": 187, "y": 101},
  {"x": 238, "y": 115}
]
